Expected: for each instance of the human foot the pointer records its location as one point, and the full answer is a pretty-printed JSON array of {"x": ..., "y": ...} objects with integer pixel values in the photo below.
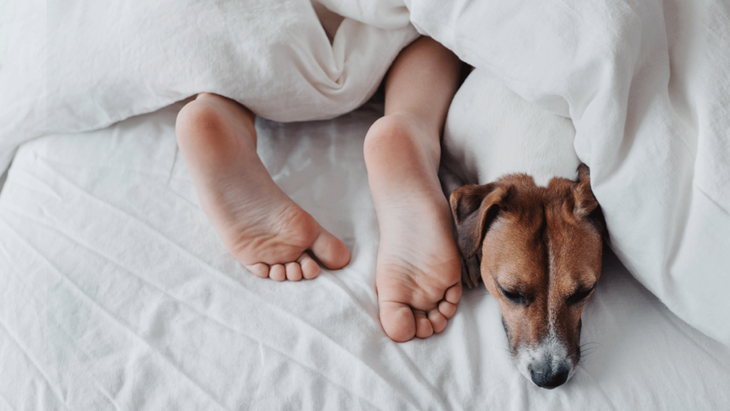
[
  {"x": 418, "y": 274},
  {"x": 259, "y": 224}
]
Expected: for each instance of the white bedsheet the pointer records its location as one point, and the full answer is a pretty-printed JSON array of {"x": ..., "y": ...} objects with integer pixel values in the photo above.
[{"x": 116, "y": 294}]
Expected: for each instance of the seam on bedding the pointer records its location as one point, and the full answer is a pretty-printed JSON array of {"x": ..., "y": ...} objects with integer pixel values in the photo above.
[
  {"x": 712, "y": 199},
  {"x": 172, "y": 166}
]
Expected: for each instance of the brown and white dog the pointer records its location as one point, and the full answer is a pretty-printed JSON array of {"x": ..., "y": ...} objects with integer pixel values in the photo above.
[
  {"x": 541, "y": 250},
  {"x": 536, "y": 226}
]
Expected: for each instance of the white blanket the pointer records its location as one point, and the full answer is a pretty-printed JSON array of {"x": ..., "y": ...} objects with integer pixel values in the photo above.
[
  {"x": 116, "y": 294},
  {"x": 83, "y": 65}
]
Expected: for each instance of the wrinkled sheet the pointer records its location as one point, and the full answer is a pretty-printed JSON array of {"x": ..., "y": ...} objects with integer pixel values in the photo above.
[{"x": 116, "y": 294}]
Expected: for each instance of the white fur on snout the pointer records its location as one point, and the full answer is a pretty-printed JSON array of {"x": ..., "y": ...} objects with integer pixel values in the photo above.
[{"x": 550, "y": 349}]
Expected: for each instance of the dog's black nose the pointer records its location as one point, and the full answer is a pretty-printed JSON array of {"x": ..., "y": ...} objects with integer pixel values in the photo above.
[{"x": 544, "y": 376}]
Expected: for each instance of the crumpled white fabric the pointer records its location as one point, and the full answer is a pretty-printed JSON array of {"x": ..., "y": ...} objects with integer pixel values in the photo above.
[{"x": 82, "y": 65}]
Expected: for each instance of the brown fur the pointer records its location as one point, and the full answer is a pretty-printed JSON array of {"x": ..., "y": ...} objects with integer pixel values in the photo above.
[{"x": 542, "y": 243}]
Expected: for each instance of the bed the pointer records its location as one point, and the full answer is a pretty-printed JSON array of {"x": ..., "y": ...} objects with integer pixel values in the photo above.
[{"x": 116, "y": 293}]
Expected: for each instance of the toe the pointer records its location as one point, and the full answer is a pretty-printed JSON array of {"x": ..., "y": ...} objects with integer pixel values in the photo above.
[
  {"x": 310, "y": 268},
  {"x": 424, "y": 328},
  {"x": 330, "y": 251},
  {"x": 447, "y": 309},
  {"x": 277, "y": 272},
  {"x": 259, "y": 269},
  {"x": 398, "y": 321},
  {"x": 438, "y": 321},
  {"x": 453, "y": 294},
  {"x": 293, "y": 271}
]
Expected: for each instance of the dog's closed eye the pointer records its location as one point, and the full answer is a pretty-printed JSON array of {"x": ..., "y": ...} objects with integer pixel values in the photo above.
[
  {"x": 580, "y": 295},
  {"x": 514, "y": 296}
]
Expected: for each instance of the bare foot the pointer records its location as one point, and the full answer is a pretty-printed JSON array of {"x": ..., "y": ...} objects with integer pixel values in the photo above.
[
  {"x": 259, "y": 224},
  {"x": 418, "y": 274}
]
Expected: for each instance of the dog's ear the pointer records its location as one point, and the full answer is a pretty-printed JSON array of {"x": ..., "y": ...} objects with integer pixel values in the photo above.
[
  {"x": 586, "y": 206},
  {"x": 585, "y": 202},
  {"x": 474, "y": 208}
]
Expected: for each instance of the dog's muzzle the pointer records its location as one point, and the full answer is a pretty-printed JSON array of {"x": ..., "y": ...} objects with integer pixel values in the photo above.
[
  {"x": 547, "y": 365},
  {"x": 544, "y": 374}
]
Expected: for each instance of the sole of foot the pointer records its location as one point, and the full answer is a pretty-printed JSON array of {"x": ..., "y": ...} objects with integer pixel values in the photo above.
[
  {"x": 418, "y": 273},
  {"x": 259, "y": 224}
]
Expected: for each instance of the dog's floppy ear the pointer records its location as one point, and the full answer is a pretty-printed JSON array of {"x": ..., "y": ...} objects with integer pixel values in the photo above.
[
  {"x": 586, "y": 206},
  {"x": 585, "y": 202},
  {"x": 474, "y": 208}
]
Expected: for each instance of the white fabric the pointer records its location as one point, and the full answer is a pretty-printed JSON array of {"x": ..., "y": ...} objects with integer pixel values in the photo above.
[
  {"x": 647, "y": 86},
  {"x": 81, "y": 65},
  {"x": 490, "y": 131},
  {"x": 116, "y": 294}
]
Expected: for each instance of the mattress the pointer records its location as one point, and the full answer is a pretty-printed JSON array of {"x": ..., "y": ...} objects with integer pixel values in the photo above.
[{"x": 116, "y": 294}]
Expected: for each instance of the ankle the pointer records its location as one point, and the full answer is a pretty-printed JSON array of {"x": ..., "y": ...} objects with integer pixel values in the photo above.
[{"x": 397, "y": 135}]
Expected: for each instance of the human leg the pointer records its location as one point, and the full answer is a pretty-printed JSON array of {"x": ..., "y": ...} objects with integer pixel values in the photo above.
[{"x": 418, "y": 274}]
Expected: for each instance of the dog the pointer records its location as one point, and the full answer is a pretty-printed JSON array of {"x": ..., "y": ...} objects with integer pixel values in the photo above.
[
  {"x": 541, "y": 250},
  {"x": 534, "y": 234}
]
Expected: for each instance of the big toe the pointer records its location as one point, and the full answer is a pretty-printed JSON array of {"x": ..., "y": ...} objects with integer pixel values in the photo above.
[
  {"x": 330, "y": 251},
  {"x": 398, "y": 321}
]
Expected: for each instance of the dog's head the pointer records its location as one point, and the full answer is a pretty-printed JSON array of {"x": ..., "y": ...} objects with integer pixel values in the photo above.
[{"x": 541, "y": 259}]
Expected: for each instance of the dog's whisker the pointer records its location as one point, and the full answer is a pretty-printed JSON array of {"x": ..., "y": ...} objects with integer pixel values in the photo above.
[
  {"x": 594, "y": 345},
  {"x": 503, "y": 349},
  {"x": 585, "y": 354}
]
